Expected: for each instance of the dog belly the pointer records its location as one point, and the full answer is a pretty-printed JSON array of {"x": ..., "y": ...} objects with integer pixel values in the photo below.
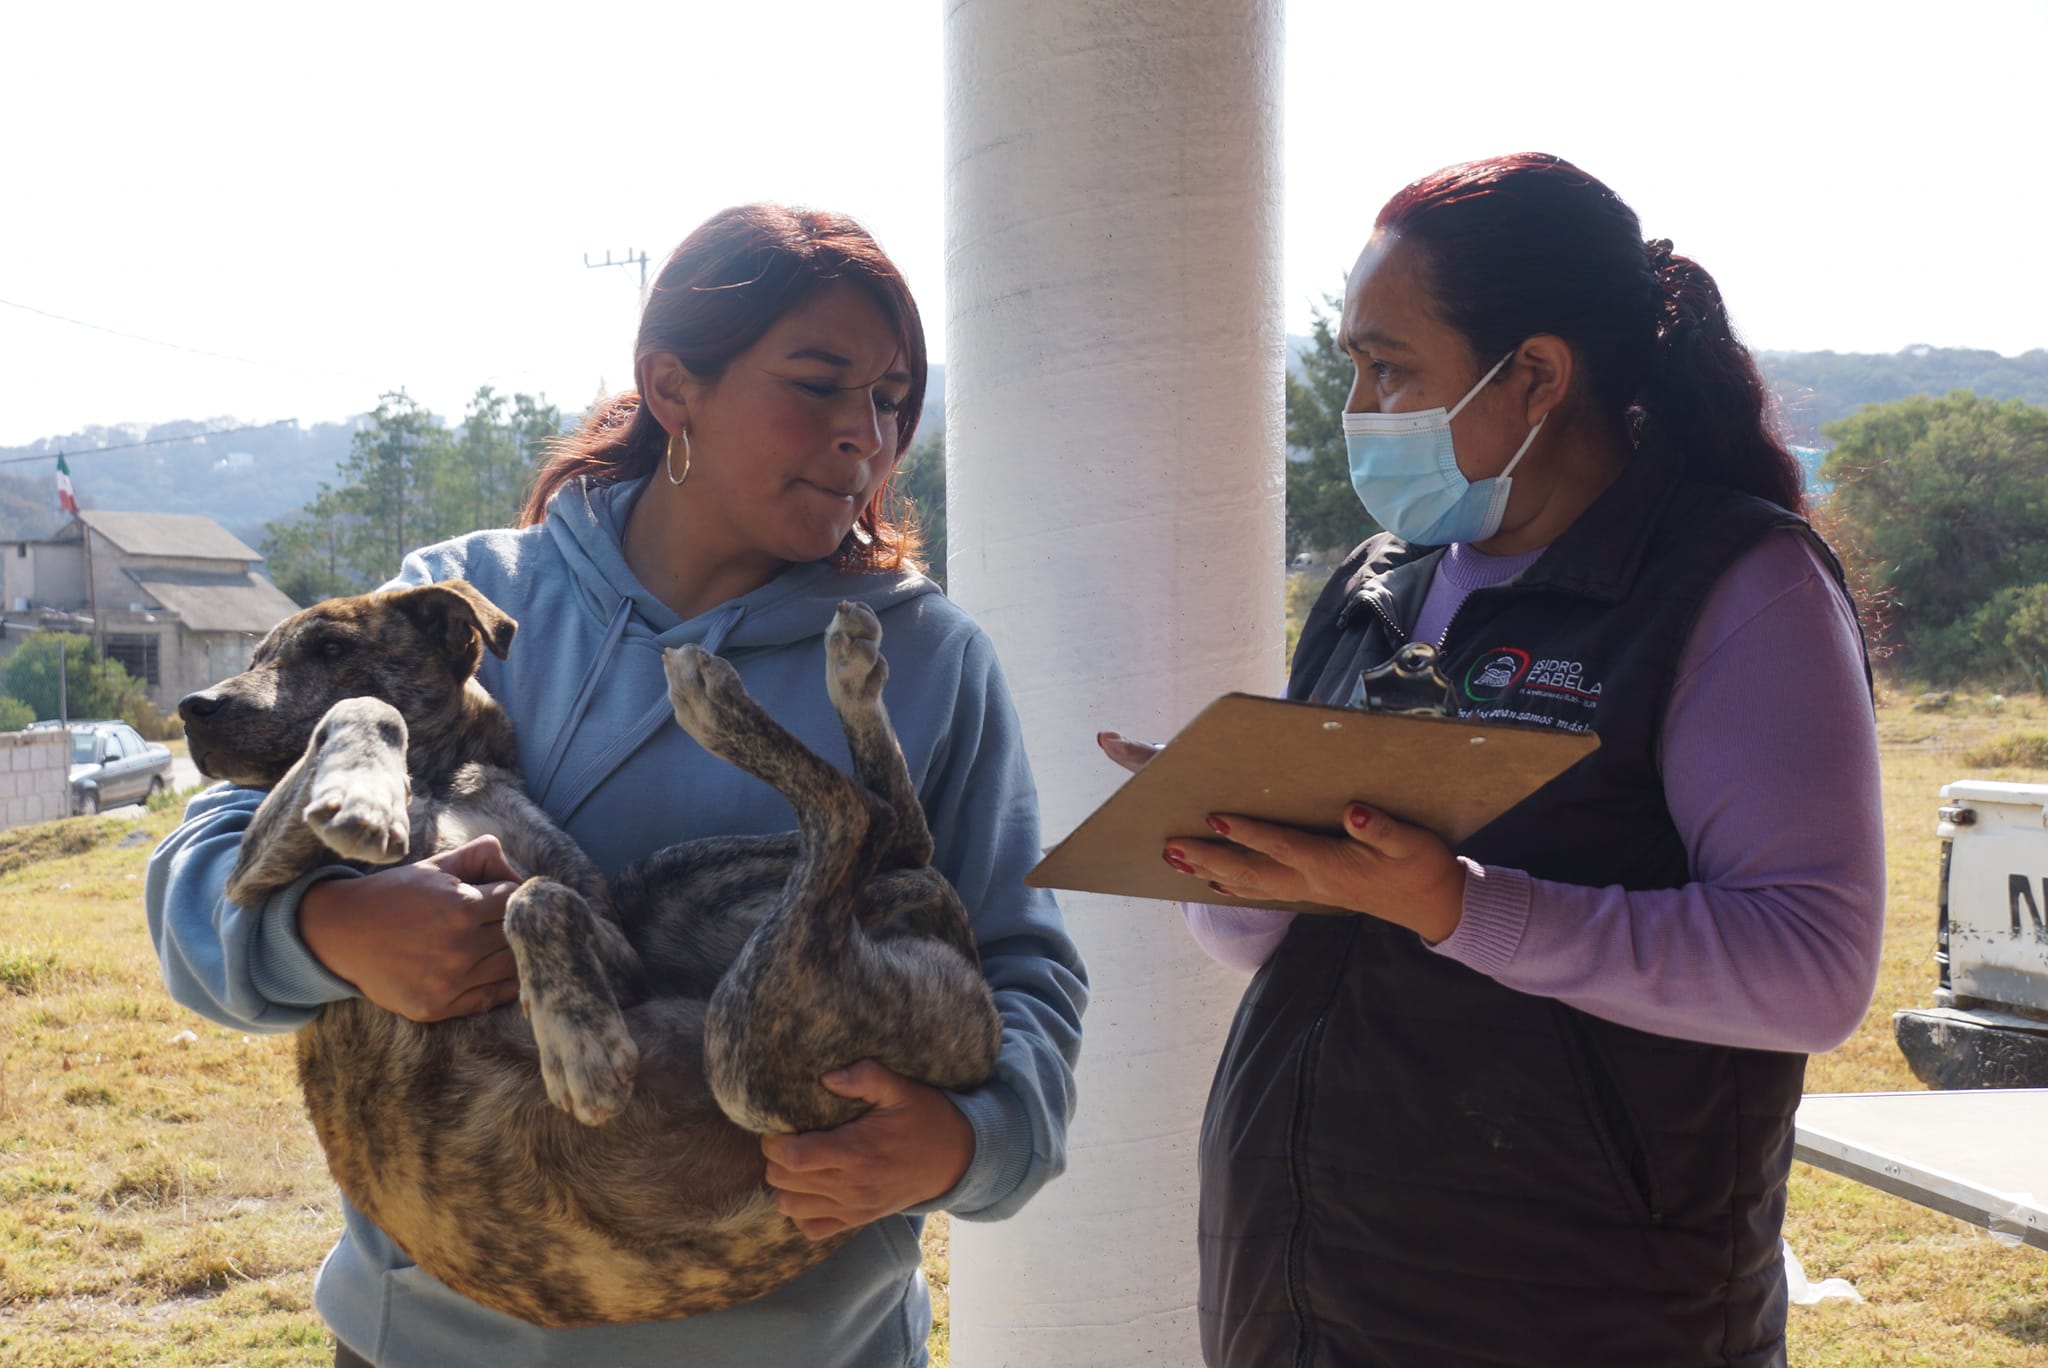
[{"x": 443, "y": 1136}]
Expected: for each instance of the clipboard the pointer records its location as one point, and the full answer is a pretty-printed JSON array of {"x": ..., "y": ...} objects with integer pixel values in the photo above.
[{"x": 1299, "y": 764}]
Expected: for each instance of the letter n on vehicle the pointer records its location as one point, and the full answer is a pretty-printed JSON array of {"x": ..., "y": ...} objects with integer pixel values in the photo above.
[{"x": 2019, "y": 888}]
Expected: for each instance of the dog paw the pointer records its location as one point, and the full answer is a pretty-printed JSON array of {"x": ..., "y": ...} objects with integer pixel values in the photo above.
[
  {"x": 702, "y": 689},
  {"x": 587, "y": 1058},
  {"x": 854, "y": 656},
  {"x": 361, "y": 814}
]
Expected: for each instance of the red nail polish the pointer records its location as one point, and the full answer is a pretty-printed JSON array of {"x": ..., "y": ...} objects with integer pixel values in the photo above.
[
  {"x": 1173, "y": 857},
  {"x": 1219, "y": 826},
  {"x": 1221, "y": 889},
  {"x": 1360, "y": 818}
]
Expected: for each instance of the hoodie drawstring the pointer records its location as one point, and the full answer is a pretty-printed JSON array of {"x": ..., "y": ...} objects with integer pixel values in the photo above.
[
  {"x": 613, "y": 633},
  {"x": 632, "y": 738}
]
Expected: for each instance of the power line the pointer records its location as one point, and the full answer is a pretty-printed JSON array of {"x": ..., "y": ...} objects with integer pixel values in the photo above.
[
  {"x": 132, "y": 446},
  {"x": 133, "y": 337},
  {"x": 194, "y": 351}
]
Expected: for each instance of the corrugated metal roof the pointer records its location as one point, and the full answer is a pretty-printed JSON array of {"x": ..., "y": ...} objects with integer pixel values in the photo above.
[
  {"x": 168, "y": 534},
  {"x": 244, "y": 602}
]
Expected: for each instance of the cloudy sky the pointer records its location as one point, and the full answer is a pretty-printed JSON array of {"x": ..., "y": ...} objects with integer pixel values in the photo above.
[{"x": 297, "y": 213}]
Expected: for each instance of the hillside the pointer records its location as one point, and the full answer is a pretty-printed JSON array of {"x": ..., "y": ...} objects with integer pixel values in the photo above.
[
  {"x": 248, "y": 479},
  {"x": 244, "y": 480},
  {"x": 1816, "y": 388}
]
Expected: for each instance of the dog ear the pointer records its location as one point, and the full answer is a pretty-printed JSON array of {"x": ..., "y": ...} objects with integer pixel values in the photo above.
[{"x": 456, "y": 615}]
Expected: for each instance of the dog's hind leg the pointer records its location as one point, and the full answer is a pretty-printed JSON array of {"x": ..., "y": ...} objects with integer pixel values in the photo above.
[
  {"x": 348, "y": 794},
  {"x": 854, "y": 675},
  {"x": 833, "y": 813}
]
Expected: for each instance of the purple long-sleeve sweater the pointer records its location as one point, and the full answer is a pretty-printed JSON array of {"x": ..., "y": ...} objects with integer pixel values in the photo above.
[{"x": 1770, "y": 771}]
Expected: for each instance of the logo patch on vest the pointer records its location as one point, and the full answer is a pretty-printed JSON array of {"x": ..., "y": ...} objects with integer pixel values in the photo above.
[
  {"x": 1553, "y": 692},
  {"x": 1494, "y": 672}
]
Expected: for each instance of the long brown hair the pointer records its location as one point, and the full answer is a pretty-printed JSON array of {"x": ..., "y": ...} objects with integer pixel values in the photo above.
[
  {"x": 1529, "y": 243},
  {"x": 717, "y": 293}
]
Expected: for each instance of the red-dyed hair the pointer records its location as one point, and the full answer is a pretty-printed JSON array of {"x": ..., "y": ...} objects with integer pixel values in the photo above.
[
  {"x": 718, "y": 292},
  {"x": 1525, "y": 244}
]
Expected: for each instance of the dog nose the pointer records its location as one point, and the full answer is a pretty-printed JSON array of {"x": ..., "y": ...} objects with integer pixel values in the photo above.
[{"x": 197, "y": 707}]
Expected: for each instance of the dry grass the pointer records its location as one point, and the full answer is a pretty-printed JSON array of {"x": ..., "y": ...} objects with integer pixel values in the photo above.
[
  {"x": 1938, "y": 1291},
  {"x": 162, "y": 1202}
]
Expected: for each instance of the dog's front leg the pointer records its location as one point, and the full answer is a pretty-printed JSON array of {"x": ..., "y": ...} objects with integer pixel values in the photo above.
[{"x": 348, "y": 794}]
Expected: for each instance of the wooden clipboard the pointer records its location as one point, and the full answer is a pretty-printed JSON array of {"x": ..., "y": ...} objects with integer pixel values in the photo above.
[{"x": 1300, "y": 764}]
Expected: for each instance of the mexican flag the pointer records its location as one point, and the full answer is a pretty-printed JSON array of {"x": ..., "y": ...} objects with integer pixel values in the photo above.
[{"x": 65, "y": 499}]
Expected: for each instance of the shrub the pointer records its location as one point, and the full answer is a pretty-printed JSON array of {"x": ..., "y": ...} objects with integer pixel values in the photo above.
[
  {"x": 2021, "y": 750},
  {"x": 151, "y": 721}
]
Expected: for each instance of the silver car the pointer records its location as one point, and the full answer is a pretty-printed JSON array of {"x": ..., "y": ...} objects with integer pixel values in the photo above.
[{"x": 111, "y": 764}]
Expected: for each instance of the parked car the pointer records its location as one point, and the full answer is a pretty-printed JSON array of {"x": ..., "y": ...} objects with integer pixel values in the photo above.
[{"x": 111, "y": 764}]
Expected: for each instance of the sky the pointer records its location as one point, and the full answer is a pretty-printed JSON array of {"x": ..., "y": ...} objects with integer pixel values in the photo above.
[{"x": 299, "y": 208}]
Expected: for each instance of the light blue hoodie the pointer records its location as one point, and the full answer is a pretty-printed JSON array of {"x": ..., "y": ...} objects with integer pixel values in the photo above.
[{"x": 602, "y": 753}]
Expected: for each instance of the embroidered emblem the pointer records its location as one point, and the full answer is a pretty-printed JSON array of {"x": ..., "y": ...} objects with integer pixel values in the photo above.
[{"x": 1493, "y": 672}]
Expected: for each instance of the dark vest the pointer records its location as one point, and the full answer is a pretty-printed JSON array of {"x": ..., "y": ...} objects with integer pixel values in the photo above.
[{"x": 1406, "y": 1163}]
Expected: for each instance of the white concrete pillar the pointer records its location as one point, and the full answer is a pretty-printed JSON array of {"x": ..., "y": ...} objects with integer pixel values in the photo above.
[{"x": 1114, "y": 436}]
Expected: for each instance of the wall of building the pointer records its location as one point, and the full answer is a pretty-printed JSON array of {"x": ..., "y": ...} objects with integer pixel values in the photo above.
[
  {"x": 200, "y": 659},
  {"x": 51, "y": 575},
  {"x": 17, "y": 574},
  {"x": 35, "y": 770}
]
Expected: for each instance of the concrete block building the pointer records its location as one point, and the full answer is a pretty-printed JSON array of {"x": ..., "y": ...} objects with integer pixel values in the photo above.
[{"x": 176, "y": 598}]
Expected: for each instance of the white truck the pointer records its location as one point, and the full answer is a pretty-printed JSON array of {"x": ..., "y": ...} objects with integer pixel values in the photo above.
[{"x": 1988, "y": 1027}]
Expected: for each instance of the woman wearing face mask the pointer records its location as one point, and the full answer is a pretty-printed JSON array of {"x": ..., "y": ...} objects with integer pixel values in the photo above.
[{"x": 1535, "y": 1105}]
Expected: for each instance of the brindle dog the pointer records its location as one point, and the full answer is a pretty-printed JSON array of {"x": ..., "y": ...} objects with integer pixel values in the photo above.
[{"x": 594, "y": 1159}]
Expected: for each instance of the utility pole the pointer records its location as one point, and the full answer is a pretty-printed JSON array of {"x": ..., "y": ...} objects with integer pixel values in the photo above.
[{"x": 629, "y": 260}]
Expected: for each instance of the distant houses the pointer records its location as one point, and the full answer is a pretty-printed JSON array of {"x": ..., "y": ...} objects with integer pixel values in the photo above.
[{"x": 174, "y": 597}]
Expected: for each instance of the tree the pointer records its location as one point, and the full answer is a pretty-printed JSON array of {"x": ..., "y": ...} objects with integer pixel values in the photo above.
[
  {"x": 2026, "y": 632},
  {"x": 307, "y": 556},
  {"x": 14, "y": 714},
  {"x": 1323, "y": 511},
  {"x": 409, "y": 482},
  {"x": 2008, "y": 635},
  {"x": 919, "y": 490},
  {"x": 483, "y": 482},
  {"x": 1941, "y": 504},
  {"x": 92, "y": 687},
  {"x": 396, "y": 460}
]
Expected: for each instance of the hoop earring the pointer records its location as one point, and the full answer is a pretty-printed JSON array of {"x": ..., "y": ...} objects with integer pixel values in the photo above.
[{"x": 670, "y": 460}]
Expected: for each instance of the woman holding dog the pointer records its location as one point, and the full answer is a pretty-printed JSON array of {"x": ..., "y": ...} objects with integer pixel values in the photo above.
[
  {"x": 1534, "y": 1106},
  {"x": 734, "y": 499}
]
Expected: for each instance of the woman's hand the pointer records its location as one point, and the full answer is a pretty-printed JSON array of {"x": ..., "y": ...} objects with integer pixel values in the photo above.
[
  {"x": 911, "y": 1147},
  {"x": 424, "y": 940},
  {"x": 1381, "y": 867}
]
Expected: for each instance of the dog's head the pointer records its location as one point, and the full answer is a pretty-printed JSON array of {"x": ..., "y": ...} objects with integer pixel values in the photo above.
[{"x": 416, "y": 649}]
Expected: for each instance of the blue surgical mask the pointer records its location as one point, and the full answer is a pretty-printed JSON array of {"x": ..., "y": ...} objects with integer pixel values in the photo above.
[{"x": 1406, "y": 474}]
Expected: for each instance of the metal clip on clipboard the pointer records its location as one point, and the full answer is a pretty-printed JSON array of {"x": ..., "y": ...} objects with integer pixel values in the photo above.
[{"x": 1409, "y": 684}]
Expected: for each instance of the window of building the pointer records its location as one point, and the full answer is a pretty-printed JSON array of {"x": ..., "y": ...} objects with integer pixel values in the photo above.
[{"x": 136, "y": 654}]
